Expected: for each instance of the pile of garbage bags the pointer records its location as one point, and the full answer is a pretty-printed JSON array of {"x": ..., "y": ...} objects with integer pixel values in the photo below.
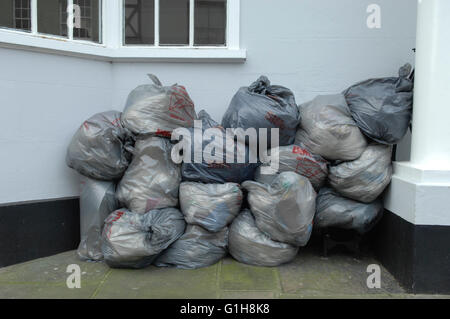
[{"x": 166, "y": 187}]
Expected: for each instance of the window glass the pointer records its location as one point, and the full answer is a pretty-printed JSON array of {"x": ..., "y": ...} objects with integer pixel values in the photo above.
[
  {"x": 15, "y": 14},
  {"x": 139, "y": 22},
  {"x": 52, "y": 17},
  {"x": 87, "y": 27},
  {"x": 210, "y": 22},
  {"x": 174, "y": 22}
]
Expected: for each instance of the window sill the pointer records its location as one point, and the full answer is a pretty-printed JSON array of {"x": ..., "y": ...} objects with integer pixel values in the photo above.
[{"x": 62, "y": 46}]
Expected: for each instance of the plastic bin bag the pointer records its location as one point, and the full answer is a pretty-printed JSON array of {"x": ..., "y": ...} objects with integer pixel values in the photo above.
[
  {"x": 212, "y": 206},
  {"x": 297, "y": 158},
  {"x": 284, "y": 210},
  {"x": 328, "y": 129},
  {"x": 132, "y": 240},
  {"x": 153, "y": 179},
  {"x": 262, "y": 105},
  {"x": 197, "y": 248},
  {"x": 209, "y": 171},
  {"x": 334, "y": 210},
  {"x": 158, "y": 109},
  {"x": 382, "y": 108},
  {"x": 97, "y": 201},
  {"x": 365, "y": 178},
  {"x": 100, "y": 147},
  {"x": 249, "y": 245}
]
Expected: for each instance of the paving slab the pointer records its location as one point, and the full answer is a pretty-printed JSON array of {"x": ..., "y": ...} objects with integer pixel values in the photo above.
[
  {"x": 52, "y": 271},
  {"x": 237, "y": 276},
  {"x": 162, "y": 283},
  {"x": 340, "y": 274}
]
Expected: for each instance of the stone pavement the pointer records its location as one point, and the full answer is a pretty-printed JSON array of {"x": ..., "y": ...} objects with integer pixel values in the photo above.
[{"x": 309, "y": 276}]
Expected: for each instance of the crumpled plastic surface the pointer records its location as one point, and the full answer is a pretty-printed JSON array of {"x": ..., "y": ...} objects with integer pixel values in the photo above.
[
  {"x": 284, "y": 210},
  {"x": 209, "y": 171},
  {"x": 297, "y": 158},
  {"x": 382, "y": 108},
  {"x": 334, "y": 210},
  {"x": 365, "y": 178},
  {"x": 97, "y": 201},
  {"x": 249, "y": 245},
  {"x": 328, "y": 129},
  {"x": 212, "y": 206},
  {"x": 153, "y": 179},
  {"x": 132, "y": 240},
  {"x": 197, "y": 248},
  {"x": 101, "y": 147},
  {"x": 158, "y": 109},
  {"x": 262, "y": 105}
]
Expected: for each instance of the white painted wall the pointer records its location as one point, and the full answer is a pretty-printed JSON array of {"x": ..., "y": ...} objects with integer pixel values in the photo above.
[
  {"x": 43, "y": 99},
  {"x": 311, "y": 46}
]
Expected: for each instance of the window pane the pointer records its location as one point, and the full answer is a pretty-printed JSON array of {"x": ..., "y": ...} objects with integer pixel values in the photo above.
[
  {"x": 88, "y": 28},
  {"x": 174, "y": 22},
  {"x": 139, "y": 22},
  {"x": 210, "y": 22},
  {"x": 15, "y": 14},
  {"x": 52, "y": 17}
]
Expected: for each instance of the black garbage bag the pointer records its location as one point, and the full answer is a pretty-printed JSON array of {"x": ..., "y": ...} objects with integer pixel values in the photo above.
[
  {"x": 333, "y": 210},
  {"x": 101, "y": 148},
  {"x": 382, "y": 108},
  {"x": 249, "y": 245},
  {"x": 209, "y": 171},
  {"x": 262, "y": 105},
  {"x": 132, "y": 240},
  {"x": 197, "y": 248}
]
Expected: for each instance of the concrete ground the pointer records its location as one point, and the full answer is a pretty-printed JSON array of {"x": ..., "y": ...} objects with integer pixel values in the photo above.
[{"x": 309, "y": 276}]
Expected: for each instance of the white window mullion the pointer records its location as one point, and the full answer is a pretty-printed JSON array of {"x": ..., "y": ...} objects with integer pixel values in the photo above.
[
  {"x": 70, "y": 19},
  {"x": 156, "y": 23},
  {"x": 34, "y": 22},
  {"x": 191, "y": 22}
]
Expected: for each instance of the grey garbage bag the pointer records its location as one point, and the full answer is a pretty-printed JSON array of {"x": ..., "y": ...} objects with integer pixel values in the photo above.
[
  {"x": 262, "y": 105},
  {"x": 100, "y": 147},
  {"x": 197, "y": 248},
  {"x": 97, "y": 201},
  {"x": 297, "y": 158},
  {"x": 249, "y": 245},
  {"x": 131, "y": 240},
  {"x": 284, "y": 210},
  {"x": 153, "y": 179},
  {"x": 209, "y": 171},
  {"x": 365, "y": 178},
  {"x": 382, "y": 108},
  {"x": 334, "y": 210},
  {"x": 158, "y": 109},
  {"x": 212, "y": 206},
  {"x": 327, "y": 129}
]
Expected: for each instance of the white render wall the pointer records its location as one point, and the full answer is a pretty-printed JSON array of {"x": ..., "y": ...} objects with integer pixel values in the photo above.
[{"x": 311, "y": 46}]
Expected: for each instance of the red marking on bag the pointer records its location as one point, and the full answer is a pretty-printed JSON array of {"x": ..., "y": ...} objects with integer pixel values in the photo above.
[
  {"x": 116, "y": 121},
  {"x": 308, "y": 168},
  {"x": 301, "y": 151},
  {"x": 110, "y": 222},
  {"x": 86, "y": 126},
  {"x": 180, "y": 103},
  {"x": 275, "y": 120},
  {"x": 163, "y": 133},
  {"x": 218, "y": 165}
]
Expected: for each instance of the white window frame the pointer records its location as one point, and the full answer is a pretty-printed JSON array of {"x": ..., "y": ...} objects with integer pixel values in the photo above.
[{"x": 112, "y": 48}]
